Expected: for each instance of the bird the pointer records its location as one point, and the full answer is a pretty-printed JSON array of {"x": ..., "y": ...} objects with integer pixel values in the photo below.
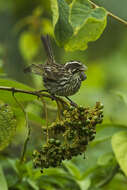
[{"x": 59, "y": 79}]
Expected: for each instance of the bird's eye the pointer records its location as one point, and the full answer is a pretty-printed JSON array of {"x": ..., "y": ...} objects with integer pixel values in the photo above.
[{"x": 75, "y": 71}]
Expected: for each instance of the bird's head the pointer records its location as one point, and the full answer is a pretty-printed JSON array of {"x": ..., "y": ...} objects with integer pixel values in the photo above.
[{"x": 76, "y": 67}]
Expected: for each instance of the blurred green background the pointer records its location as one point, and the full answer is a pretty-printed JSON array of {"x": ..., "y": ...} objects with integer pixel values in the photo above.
[{"x": 21, "y": 23}]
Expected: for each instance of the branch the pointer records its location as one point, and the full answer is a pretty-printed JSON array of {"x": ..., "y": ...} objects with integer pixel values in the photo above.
[
  {"x": 110, "y": 14},
  {"x": 35, "y": 93}
]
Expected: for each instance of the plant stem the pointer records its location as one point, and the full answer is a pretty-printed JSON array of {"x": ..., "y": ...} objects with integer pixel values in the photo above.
[
  {"x": 28, "y": 128},
  {"x": 110, "y": 14}
]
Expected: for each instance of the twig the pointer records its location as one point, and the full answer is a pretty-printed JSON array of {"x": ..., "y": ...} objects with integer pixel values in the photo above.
[
  {"x": 16, "y": 90},
  {"x": 110, "y": 14},
  {"x": 35, "y": 93},
  {"x": 58, "y": 110},
  {"x": 27, "y": 126},
  {"x": 46, "y": 118}
]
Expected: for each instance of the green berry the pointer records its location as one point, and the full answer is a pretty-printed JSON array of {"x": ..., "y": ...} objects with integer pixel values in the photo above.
[
  {"x": 79, "y": 122},
  {"x": 87, "y": 121},
  {"x": 71, "y": 108},
  {"x": 81, "y": 108},
  {"x": 95, "y": 118},
  {"x": 100, "y": 111},
  {"x": 92, "y": 137},
  {"x": 51, "y": 141},
  {"x": 57, "y": 142},
  {"x": 100, "y": 120},
  {"x": 83, "y": 129},
  {"x": 101, "y": 106}
]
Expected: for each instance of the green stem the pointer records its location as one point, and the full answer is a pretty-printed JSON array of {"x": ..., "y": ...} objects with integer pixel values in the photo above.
[
  {"x": 28, "y": 128},
  {"x": 110, "y": 14},
  {"x": 46, "y": 118}
]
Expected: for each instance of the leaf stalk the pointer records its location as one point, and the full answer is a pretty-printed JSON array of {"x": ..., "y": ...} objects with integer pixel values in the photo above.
[{"x": 110, "y": 14}]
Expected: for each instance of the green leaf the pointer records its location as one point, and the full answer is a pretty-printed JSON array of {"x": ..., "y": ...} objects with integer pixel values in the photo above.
[
  {"x": 83, "y": 183},
  {"x": 105, "y": 159},
  {"x": 7, "y": 125},
  {"x": 119, "y": 145},
  {"x": 55, "y": 12},
  {"x": 3, "y": 183},
  {"x": 56, "y": 176},
  {"x": 13, "y": 164},
  {"x": 106, "y": 131},
  {"x": 54, "y": 172},
  {"x": 73, "y": 170},
  {"x": 122, "y": 96},
  {"x": 29, "y": 44},
  {"x": 77, "y": 24},
  {"x": 88, "y": 172},
  {"x": 7, "y": 97},
  {"x": 88, "y": 24},
  {"x": 62, "y": 28},
  {"x": 32, "y": 184}
]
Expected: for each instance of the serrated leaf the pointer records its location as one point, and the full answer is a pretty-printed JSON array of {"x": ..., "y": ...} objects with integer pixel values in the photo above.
[
  {"x": 29, "y": 45},
  {"x": 119, "y": 145},
  {"x": 88, "y": 24},
  {"x": 62, "y": 28},
  {"x": 3, "y": 182},
  {"x": 7, "y": 125}
]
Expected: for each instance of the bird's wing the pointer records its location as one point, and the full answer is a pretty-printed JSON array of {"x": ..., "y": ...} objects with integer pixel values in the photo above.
[
  {"x": 54, "y": 72},
  {"x": 34, "y": 68}
]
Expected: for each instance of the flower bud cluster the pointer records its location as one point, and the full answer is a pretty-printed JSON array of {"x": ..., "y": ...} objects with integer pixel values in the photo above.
[
  {"x": 70, "y": 136},
  {"x": 7, "y": 125}
]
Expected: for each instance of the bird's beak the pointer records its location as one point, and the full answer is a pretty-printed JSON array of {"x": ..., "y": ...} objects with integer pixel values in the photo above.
[{"x": 84, "y": 68}]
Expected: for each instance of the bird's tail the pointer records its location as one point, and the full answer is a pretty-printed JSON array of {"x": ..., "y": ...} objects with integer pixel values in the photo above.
[
  {"x": 38, "y": 69},
  {"x": 47, "y": 46}
]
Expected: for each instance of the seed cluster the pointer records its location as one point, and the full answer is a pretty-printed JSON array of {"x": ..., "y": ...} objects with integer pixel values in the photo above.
[{"x": 69, "y": 137}]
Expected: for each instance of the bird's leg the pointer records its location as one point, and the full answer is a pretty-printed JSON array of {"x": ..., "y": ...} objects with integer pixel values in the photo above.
[
  {"x": 53, "y": 97},
  {"x": 71, "y": 102}
]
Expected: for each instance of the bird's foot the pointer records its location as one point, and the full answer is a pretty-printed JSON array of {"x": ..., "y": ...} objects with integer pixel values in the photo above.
[{"x": 71, "y": 102}]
